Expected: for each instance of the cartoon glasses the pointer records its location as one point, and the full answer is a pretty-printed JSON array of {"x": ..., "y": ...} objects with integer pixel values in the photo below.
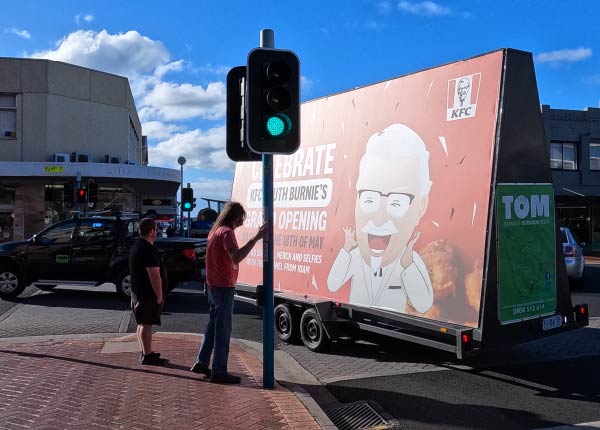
[{"x": 397, "y": 204}]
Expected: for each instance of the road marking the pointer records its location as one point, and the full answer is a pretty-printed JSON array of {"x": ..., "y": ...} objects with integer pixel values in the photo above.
[{"x": 125, "y": 318}]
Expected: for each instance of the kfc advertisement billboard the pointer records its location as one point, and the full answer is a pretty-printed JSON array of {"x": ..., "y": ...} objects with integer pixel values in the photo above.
[{"x": 386, "y": 202}]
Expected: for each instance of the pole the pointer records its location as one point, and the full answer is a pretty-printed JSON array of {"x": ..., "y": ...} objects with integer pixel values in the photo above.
[
  {"x": 267, "y": 40},
  {"x": 77, "y": 187},
  {"x": 181, "y": 205}
]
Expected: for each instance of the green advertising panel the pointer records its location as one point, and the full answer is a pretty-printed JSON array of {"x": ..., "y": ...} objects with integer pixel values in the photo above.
[{"x": 526, "y": 251}]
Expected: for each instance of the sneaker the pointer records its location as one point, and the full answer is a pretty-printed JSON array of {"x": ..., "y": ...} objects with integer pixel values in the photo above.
[
  {"x": 152, "y": 360},
  {"x": 153, "y": 354},
  {"x": 225, "y": 378},
  {"x": 201, "y": 368}
]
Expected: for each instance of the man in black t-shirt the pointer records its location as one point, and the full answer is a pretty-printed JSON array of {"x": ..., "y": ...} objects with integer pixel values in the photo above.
[{"x": 148, "y": 288}]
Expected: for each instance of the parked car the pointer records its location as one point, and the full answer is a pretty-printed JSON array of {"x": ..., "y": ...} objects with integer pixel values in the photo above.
[
  {"x": 574, "y": 260},
  {"x": 91, "y": 251}
]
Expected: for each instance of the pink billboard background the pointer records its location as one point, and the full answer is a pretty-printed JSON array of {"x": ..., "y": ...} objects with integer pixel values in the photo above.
[{"x": 383, "y": 231}]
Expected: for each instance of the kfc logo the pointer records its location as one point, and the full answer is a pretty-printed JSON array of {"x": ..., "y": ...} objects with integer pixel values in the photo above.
[{"x": 462, "y": 97}]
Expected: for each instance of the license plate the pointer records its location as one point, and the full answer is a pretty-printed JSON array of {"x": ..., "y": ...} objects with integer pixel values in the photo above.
[{"x": 552, "y": 322}]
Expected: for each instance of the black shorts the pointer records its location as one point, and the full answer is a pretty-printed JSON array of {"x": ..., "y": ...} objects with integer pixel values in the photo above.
[{"x": 147, "y": 312}]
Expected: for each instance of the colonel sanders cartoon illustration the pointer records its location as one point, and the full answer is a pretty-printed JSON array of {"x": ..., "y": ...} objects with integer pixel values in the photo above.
[{"x": 391, "y": 197}]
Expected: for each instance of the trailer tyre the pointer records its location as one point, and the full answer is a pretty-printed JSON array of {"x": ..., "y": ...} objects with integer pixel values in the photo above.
[
  {"x": 312, "y": 331},
  {"x": 286, "y": 323}
]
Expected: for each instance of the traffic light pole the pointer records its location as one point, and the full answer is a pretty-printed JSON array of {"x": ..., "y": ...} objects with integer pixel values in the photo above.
[
  {"x": 77, "y": 187},
  {"x": 267, "y": 40}
]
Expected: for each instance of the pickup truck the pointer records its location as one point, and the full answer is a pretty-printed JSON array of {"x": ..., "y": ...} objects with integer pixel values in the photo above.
[{"x": 91, "y": 251}]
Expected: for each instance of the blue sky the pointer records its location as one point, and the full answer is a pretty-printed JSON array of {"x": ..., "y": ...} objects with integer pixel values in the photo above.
[{"x": 176, "y": 54}]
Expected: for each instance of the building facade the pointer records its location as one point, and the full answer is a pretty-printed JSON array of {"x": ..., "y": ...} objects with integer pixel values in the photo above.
[
  {"x": 573, "y": 139},
  {"x": 62, "y": 127}
]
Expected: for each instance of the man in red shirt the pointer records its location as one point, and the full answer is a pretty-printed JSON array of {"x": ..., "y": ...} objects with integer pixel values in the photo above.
[{"x": 222, "y": 258}]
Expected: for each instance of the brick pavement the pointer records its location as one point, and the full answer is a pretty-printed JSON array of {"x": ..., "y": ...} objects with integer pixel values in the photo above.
[{"x": 98, "y": 384}]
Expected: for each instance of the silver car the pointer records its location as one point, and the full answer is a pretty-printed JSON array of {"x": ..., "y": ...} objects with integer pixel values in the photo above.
[{"x": 574, "y": 259}]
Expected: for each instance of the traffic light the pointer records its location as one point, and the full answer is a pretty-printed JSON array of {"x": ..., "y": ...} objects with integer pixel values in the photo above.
[
  {"x": 273, "y": 101},
  {"x": 187, "y": 199},
  {"x": 81, "y": 195},
  {"x": 92, "y": 192},
  {"x": 68, "y": 190}
]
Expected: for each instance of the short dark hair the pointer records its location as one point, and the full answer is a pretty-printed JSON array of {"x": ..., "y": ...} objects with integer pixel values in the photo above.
[{"x": 146, "y": 226}]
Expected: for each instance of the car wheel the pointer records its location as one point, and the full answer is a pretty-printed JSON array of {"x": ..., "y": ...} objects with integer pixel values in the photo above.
[
  {"x": 11, "y": 283},
  {"x": 286, "y": 323},
  {"x": 123, "y": 283},
  {"x": 312, "y": 332}
]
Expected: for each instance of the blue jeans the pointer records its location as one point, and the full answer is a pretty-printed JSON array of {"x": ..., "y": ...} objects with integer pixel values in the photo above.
[{"x": 218, "y": 330}]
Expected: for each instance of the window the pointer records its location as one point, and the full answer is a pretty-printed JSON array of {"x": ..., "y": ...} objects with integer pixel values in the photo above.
[
  {"x": 8, "y": 116},
  {"x": 61, "y": 233},
  {"x": 563, "y": 155},
  {"x": 594, "y": 156},
  {"x": 92, "y": 230}
]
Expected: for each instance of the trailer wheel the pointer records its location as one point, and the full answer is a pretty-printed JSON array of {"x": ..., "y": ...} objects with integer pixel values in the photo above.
[
  {"x": 286, "y": 323},
  {"x": 312, "y": 331}
]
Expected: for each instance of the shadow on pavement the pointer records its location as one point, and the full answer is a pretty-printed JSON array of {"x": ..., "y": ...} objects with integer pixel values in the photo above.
[{"x": 506, "y": 397}]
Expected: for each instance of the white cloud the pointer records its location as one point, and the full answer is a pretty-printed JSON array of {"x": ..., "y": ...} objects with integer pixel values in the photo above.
[
  {"x": 204, "y": 150},
  {"x": 428, "y": 8},
  {"x": 84, "y": 17},
  {"x": 23, "y": 34},
  {"x": 305, "y": 83},
  {"x": 211, "y": 188},
  {"x": 564, "y": 55},
  {"x": 173, "y": 102},
  {"x": 384, "y": 7},
  {"x": 127, "y": 54},
  {"x": 157, "y": 130}
]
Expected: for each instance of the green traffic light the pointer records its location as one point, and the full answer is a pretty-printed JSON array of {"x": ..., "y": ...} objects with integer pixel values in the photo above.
[
  {"x": 278, "y": 125},
  {"x": 187, "y": 206}
]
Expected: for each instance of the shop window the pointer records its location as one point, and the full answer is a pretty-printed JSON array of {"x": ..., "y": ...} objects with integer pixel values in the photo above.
[
  {"x": 8, "y": 116},
  {"x": 563, "y": 155},
  {"x": 594, "y": 156}
]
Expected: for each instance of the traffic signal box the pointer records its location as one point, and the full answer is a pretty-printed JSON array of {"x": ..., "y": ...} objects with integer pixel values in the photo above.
[
  {"x": 92, "y": 192},
  {"x": 68, "y": 191},
  {"x": 273, "y": 101},
  {"x": 187, "y": 199},
  {"x": 82, "y": 195},
  {"x": 236, "y": 146}
]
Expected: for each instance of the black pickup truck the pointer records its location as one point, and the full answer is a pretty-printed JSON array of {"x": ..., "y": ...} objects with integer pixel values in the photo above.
[{"x": 91, "y": 251}]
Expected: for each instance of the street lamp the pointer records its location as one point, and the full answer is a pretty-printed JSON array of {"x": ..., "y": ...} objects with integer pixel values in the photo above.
[{"x": 181, "y": 160}]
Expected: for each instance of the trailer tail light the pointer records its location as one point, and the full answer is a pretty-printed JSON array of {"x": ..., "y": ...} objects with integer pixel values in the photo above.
[
  {"x": 466, "y": 341},
  {"x": 570, "y": 251},
  {"x": 580, "y": 313},
  {"x": 189, "y": 253}
]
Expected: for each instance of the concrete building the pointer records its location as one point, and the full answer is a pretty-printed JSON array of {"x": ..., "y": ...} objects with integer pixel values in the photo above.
[
  {"x": 573, "y": 138},
  {"x": 64, "y": 126}
]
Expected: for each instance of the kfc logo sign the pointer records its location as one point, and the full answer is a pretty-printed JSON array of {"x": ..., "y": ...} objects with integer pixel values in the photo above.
[{"x": 462, "y": 97}]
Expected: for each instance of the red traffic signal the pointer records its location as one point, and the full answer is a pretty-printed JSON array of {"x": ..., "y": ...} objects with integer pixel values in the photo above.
[{"x": 81, "y": 195}]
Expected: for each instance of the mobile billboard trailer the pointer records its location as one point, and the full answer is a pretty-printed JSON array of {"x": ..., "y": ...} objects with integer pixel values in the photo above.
[{"x": 419, "y": 208}]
